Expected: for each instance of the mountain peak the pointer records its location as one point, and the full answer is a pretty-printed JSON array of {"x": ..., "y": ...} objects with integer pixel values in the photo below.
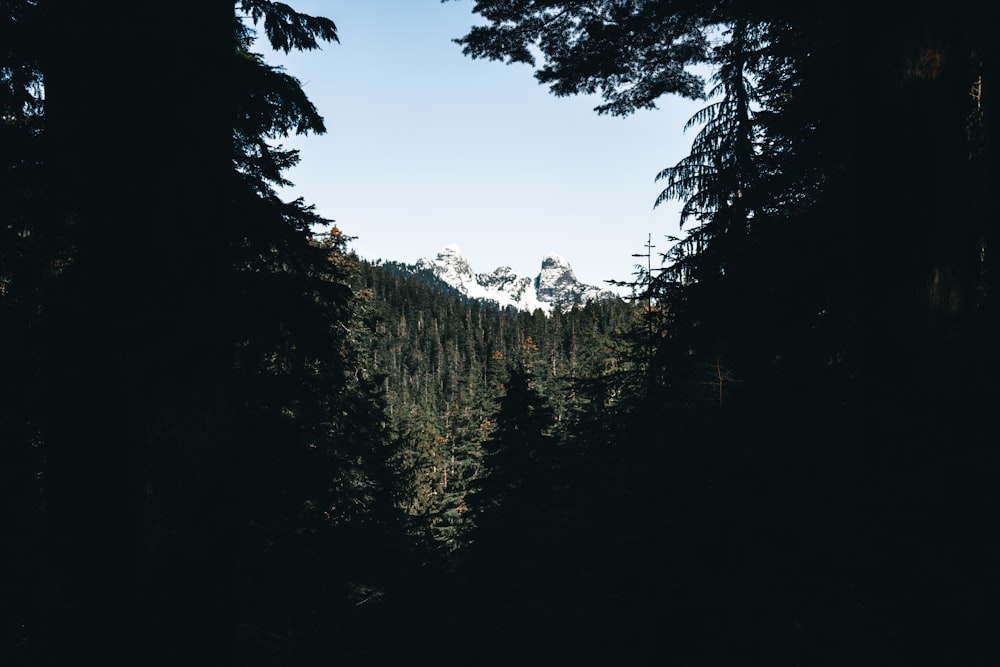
[
  {"x": 555, "y": 286},
  {"x": 552, "y": 260},
  {"x": 450, "y": 265}
]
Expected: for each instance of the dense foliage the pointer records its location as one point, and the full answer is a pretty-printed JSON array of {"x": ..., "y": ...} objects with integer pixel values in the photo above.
[{"x": 446, "y": 363}]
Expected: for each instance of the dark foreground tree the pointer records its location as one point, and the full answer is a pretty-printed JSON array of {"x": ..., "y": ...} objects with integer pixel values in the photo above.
[
  {"x": 173, "y": 299},
  {"x": 26, "y": 251},
  {"x": 854, "y": 298}
]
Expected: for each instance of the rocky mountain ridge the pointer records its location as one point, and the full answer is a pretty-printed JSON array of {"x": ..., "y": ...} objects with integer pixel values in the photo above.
[{"x": 555, "y": 286}]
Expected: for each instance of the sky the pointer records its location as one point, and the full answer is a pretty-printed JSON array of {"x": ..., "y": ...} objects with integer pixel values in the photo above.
[{"x": 426, "y": 147}]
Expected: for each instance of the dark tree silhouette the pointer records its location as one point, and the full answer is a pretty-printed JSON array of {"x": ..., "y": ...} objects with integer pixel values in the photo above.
[
  {"x": 855, "y": 305},
  {"x": 168, "y": 250}
]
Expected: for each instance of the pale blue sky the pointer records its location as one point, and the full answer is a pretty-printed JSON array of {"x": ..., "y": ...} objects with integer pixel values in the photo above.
[{"x": 427, "y": 147}]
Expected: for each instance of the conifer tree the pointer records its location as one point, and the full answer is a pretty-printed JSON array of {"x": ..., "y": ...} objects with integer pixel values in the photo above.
[
  {"x": 840, "y": 272},
  {"x": 182, "y": 296},
  {"x": 520, "y": 451}
]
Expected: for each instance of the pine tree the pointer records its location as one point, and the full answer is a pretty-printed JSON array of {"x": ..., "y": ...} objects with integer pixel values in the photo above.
[
  {"x": 172, "y": 269},
  {"x": 520, "y": 451}
]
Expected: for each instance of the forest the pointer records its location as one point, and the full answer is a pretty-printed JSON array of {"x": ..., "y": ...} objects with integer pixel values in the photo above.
[{"x": 225, "y": 438}]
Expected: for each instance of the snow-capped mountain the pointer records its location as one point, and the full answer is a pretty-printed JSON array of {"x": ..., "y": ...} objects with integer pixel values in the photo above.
[{"x": 554, "y": 287}]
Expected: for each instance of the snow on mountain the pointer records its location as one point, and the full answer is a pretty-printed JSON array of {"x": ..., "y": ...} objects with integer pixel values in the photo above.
[{"x": 555, "y": 286}]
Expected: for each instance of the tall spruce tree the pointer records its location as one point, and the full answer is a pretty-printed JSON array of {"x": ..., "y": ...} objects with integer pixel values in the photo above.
[
  {"x": 170, "y": 312},
  {"x": 861, "y": 315}
]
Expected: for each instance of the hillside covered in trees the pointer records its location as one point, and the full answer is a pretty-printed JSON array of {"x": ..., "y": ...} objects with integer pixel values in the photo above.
[{"x": 225, "y": 438}]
